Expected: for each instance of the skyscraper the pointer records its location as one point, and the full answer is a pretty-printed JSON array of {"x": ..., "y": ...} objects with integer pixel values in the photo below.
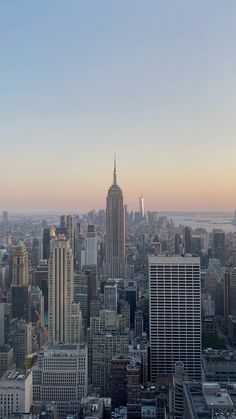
[
  {"x": 175, "y": 315},
  {"x": 60, "y": 290},
  {"x": 20, "y": 265},
  {"x": 20, "y": 288},
  {"x": 187, "y": 240},
  {"x": 91, "y": 246},
  {"x": 4, "y": 222},
  {"x": 141, "y": 207},
  {"x": 70, "y": 232},
  {"x": 115, "y": 231},
  {"x": 110, "y": 297},
  {"x": 218, "y": 244}
]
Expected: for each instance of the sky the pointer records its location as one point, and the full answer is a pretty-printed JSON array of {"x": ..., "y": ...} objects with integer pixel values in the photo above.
[{"x": 153, "y": 81}]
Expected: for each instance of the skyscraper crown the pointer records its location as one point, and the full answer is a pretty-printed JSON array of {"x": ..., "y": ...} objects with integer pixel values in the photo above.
[{"x": 114, "y": 172}]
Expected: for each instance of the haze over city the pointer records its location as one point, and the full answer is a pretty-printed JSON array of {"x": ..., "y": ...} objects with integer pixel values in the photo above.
[{"x": 153, "y": 81}]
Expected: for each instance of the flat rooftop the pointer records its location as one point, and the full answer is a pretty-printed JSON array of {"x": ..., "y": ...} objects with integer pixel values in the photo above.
[
  {"x": 16, "y": 375},
  {"x": 174, "y": 259},
  {"x": 208, "y": 400}
]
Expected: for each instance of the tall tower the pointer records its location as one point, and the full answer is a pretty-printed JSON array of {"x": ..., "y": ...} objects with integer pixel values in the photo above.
[
  {"x": 91, "y": 246},
  {"x": 141, "y": 207},
  {"x": 115, "y": 231},
  {"x": 218, "y": 244},
  {"x": 175, "y": 315},
  {"x": 70, "y": 232},
  {"x": 4, "y": 222},
  {"x": 20, "y": 265},
  {"x": 60, "y": 290}
]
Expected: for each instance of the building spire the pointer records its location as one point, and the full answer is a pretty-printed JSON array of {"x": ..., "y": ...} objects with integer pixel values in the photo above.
[{"x": 114, "y": 171}]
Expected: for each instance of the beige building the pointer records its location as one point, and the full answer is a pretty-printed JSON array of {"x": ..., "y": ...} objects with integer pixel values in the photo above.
[
  {"x": 64, "y": 316},
  {"x": 20, "y": 265}
]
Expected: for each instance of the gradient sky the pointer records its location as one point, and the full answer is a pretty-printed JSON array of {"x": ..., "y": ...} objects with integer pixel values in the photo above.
[{"x": 153, "y": 81}]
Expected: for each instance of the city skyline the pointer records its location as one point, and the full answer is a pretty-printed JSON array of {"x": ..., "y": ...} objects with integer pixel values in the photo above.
[
  {"x": 117, "y": 276},
  {"x": 62, "y": 205},
  {"x": 154, "y": 82}
]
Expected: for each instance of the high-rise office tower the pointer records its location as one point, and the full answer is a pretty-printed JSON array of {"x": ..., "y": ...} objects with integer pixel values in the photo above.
[
  {"x": 60, "y": 290},
  {"x": 5, "y": 317},
  {"x": 70, "y": 232},
  {"x": 104, "y": 347},
  {"x": 138, "y": 323},
  {"x": 115, "y": 231},
  {"x": 187, "y": 240},
  {"x": 175, "y": 315},
  {"x": 110, "y": 297},
  {"x": 21, "y": 341},
  {"x": 62, "y": 221},
  {"x": 46, "y": 242},
  {"x": 91, "y": 246},
  {"x": 36, "y": 255},
  {"x": 141, "y": 207},
  {"x": 4, "y": 222},
  {"x": 85, "y": 290},
  {"x": 20, "y": 289},
  {"x": 21, "y": 296},
  {"x": 41, "y": 279},
  {"x": 131, "y": 294},
  {"x": 178, "y": 243},
  {"x": 218, "y": 244},
  {"x": 19, "y": 265}
]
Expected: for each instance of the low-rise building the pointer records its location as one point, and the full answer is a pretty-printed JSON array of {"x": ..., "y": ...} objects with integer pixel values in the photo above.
[
  {"x": 61, "y": 375},
  {"x": 95, "y": 407},
  {"x": 219, "y": 365},
  {"x": 207, "y": 400},
  {"x": 15, "y": 393}
]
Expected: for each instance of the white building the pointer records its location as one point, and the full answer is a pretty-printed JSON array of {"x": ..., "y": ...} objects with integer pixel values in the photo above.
[
  {"x": 175, "y": 315},
  {"x": 141, "y": 207},
  {"x": 61, "y": 375},
  {"x": 15, "y": 393},
  {"x": 110, "y": 297}
]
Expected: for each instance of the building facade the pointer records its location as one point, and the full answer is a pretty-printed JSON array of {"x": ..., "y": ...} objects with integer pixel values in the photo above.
[
  {"x": 15, "y": 393},
  {"x": 61, "y": 375},
  {"x": 115, "y": 231},
  {"x": 60, "y": 290},
  {"x": 175, "y": 315},
  {"x": 19, "y": 265}
]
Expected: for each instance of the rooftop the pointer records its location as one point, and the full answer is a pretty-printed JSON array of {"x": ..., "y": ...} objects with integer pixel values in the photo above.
[
  {"x": 215, "y": 397},
  {"x": 174, "y": 259},
  {"x": 218, "y": 355},
  {"x": 206, "y": 400},
  {"x": 16, "y": 375}
]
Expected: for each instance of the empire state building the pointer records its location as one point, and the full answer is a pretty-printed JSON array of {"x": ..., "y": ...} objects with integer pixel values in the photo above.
[{"x": 115, "y": 231}]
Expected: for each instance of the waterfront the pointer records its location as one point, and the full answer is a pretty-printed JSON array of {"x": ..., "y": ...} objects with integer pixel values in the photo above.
[{"x": 206, "y": 220}]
